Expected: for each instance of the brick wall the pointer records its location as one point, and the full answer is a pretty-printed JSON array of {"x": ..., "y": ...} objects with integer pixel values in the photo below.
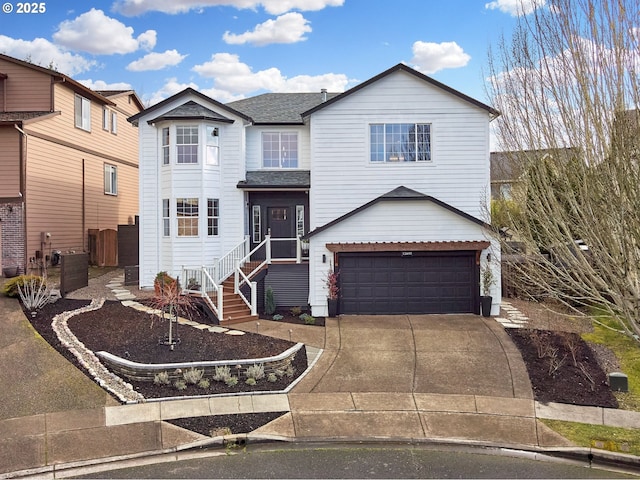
[{"x": 13, "y": 241}]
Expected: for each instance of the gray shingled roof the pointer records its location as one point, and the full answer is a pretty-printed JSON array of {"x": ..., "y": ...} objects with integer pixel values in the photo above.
[
  {"x": 20, "y": 116},
  {"x": 277, "y": 179},
  {"x": 281, "y": 108},
  {"x": 192, "y": 111}
]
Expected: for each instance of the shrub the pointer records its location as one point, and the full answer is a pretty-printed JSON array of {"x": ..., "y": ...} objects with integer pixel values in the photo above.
[
  {"x": 255, "y": 371},
  {"x": 34, "y": 294},
  {"x": 277, "y": 317},
  {"x": 290, "y": 371},
  {"x": 180, "y": 384},
  {"x": 296, "y": 311},
  {"x": 204, "y": 383},
  {"x": 272, "y": 377},
  {"x": 161, "y": 378},
  {"x": 269, "y": 302},
  {"x": 222, "y": 374},
  {"x": 250, "y": 381},
  {"x": 10, "y": 288},
  {"x": 231, "y": 381},
  {"x": 307, "y": 319},
  {"x": 193, "y": 376}
]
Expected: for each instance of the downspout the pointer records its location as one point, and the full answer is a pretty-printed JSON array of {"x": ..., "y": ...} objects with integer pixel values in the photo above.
[
  {"x": 23, "y": 192},
  {"x": 84, "y": 209}
]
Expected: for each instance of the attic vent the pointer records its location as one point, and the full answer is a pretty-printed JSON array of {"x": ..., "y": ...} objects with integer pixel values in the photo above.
[{"x": 324, "y": 94}]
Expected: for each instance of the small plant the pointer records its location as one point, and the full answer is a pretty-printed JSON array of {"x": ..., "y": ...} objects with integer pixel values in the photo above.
[
  {"x": 308, "y": 319},
  {"x": 222, "y": 373},
  {"x": 279, "y": 373},
  {"x": 204, "y": 384},
  {"x": 193, "y": 376},
  {"x": 296, "y": 311},
  {"x": 180, "y": 384},
  {"x": 34, "y": 294},
  {"x": 10, "y": 287},
  {"x": 255, "y": 371},
  {"x": 269, "y": 302},
  {"x": 272, "y": 377},
  {"x": 332, "y": 284},
  {"x": 193, "y": 284},
  {"x": 277, "y": 317},
  {"x": 161, "y": 378},
  {"x": 250, "y": 381},
  {"x": 487, "y": 280},
  {"x": 290, "y": 371},
  {"x": 231, "y": 381}
]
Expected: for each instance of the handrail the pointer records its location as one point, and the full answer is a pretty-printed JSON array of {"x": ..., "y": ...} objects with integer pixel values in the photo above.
[
  {"x": 238, "y": 282},
  {"x": 229, "y": 262},
  {"x": 199, "y": 280}
]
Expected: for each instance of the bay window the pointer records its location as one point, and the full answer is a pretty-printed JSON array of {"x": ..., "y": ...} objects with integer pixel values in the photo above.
[{"x": 187, "y": 214}]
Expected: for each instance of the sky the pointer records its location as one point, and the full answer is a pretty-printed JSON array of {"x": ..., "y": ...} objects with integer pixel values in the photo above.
[{"x": 233, "y": 49}]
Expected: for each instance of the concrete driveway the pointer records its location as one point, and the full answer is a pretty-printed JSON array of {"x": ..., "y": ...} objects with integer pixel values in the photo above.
[{"x": 443, "y": 354}]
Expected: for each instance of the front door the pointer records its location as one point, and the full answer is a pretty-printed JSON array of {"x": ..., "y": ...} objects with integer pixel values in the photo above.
[{"x": 281, "y": 222}]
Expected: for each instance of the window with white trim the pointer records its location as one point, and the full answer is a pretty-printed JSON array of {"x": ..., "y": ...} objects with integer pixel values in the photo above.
[
  {"x": 400, "y": 142},
  {"x": 300, "y": 220},
  {"x": 213, "y": 216},
  {"x": 165, "y": 146},
  {"x": 83, "y": 113},
  {"x": 256, "y": 224},
  {"x": 166, "y": 220},
  {"x": 105, "y": 118},
  {"x": 212, "y": 151},
  {"x": 187, "y": 214},
  {"x": 187, "y": 144},
  {"x": 110, "y": 179},
  {"x": 114, "y": 122},
  {"x": 280, "y": 149}
]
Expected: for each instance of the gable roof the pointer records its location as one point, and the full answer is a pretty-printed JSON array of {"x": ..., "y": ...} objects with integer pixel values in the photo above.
[
  {"x": 122, "y": 93},
  {"x": 401, "y": 67},
  {"x": 186, "y": 92},
  {"x": 400, "y": 193},
  {"x": 280, "y": 108},
  {"x": 59, "y": 77},
  {"x": 191, "y": 111}
]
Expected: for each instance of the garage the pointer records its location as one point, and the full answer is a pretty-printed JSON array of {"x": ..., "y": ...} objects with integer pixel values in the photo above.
[{"x": 408, "y": 282}]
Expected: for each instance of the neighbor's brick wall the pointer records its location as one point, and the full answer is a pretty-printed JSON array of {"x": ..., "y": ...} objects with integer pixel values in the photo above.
[{"x": 12, "y": 218}]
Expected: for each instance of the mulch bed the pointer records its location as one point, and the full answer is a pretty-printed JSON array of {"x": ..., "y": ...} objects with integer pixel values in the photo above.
[{"x": 555, "y": 376}]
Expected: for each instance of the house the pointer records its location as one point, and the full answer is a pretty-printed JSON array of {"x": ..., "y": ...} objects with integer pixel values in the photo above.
[
  {"x": 69, "y": 163},
  {"x": 385, "y": 184}
]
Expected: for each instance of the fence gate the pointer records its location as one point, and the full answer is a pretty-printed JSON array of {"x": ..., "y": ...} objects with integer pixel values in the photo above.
[{"x": 103, "y": 247}]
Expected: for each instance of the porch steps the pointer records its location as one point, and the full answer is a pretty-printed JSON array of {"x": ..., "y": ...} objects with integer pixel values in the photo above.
[{"x": 234, "y": 308}]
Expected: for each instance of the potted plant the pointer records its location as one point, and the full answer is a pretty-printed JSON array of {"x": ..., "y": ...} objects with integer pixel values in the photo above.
[
  {"x": 487, "y": 282},
  {"x": 332, "y": 292}
]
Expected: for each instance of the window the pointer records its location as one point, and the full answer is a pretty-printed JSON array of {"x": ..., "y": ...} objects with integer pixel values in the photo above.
[
  {"x": 105, "y": 118},
  {"x": 279, "y": 150},
  {"x": 110, "y": 179},
  {"x": 256, "y": 227},
  {"x": 166, "y": 224},
  {"x": 400, "y": 142},
  {"x": 212, "y": 150},
  {"x": 300, "y": 220},
  {"x": 187, "y": 144},
  {"x": 165, "y": 146},
  {"x": 187, "y": 213},
  {"x": 114, "y": 122},
  {"x": 213, "y": 216},
  {"x": 83, "y": 113}
]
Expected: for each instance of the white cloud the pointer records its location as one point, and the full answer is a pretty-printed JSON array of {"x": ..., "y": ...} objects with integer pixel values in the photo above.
[
  {"x": 171, "y": 87},
  {"x": 156, "y": 61},
  {"x": 96, "y": 33},
  {"x": 515, "y": 8},
  {"x": 287, "y": 28},
  {"x": 431, "y": 57},
  {"x": 274, "y": 7},
  {"x": 231, "y": 75},
  {"x": 40, "y": 51},
  {"x": 102, "y": 85}
]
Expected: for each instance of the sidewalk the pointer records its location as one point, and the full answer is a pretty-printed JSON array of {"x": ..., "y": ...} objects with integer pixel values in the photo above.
[{"x": 49, "y": 435}]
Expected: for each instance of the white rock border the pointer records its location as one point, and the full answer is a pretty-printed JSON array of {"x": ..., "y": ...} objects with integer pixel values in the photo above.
[{"x": 107, "y": 380}]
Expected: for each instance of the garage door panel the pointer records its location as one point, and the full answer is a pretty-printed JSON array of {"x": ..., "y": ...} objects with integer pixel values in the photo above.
[{"x": 424, "y": 283}]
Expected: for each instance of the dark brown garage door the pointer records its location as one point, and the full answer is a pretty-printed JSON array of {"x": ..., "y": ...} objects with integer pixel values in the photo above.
[{"x": 408, "y": 282}]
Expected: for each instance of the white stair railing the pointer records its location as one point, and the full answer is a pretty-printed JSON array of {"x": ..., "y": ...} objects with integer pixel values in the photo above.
[
  {"x": 201, "y": 281},
  {"x": 226, "y": 265},
  {"x": 242, "y": 279}
]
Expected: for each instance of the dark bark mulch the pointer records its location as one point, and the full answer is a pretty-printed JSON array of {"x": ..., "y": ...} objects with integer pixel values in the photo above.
[{"x": 555, "y": 376}]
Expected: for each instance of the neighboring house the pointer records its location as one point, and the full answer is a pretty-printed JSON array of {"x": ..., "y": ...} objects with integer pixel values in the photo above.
[
  {"x": 385, "y": 183},
  {"x": 69, "y": 163}
]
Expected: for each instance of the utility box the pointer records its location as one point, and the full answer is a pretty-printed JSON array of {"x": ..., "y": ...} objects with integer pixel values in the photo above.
[{"x": 618, "y": 382}]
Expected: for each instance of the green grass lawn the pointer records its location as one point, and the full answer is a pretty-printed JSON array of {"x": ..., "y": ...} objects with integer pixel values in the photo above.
[{"x": 613, "y": 439}]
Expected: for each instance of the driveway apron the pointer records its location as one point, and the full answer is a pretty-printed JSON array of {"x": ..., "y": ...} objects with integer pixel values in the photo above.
[{"x": 442, "y": 354}]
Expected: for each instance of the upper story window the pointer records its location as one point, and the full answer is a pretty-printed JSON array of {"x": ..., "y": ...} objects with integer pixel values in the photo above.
[
  {"x": 187, "y": 144},
  {"x": 212, "y": 151},
  {"x": 400, "y": 142},
  {"x": 105, "y": 118},
  {"x": 110, "y": 179},
  {"x": 114, "y": 122},
  {"x": 83, "y": 113},
  {"x": 280, "y": 149},
  {"x": 165, "y": 146}
]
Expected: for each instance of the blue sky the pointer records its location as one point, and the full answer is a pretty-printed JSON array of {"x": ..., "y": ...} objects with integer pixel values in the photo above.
[{"x": 231, "y": 49}]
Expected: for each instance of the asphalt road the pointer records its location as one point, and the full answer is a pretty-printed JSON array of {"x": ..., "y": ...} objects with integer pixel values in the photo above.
[{"x": 362, "y": 461}]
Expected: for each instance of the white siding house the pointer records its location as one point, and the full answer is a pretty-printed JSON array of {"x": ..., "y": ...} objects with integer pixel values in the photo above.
[{"x": 387, "y": 184}]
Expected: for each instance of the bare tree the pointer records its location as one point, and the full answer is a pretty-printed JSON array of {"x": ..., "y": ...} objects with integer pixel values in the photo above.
[{"x": 567, "y": 81}]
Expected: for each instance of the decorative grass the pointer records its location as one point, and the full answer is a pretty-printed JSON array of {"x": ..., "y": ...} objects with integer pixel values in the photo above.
[{"x": 613, "y": 439}]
